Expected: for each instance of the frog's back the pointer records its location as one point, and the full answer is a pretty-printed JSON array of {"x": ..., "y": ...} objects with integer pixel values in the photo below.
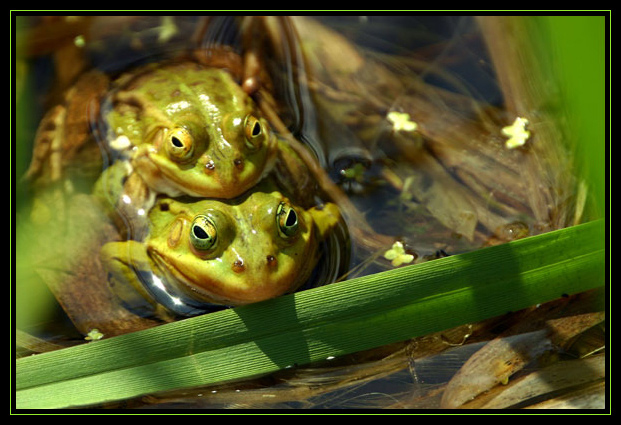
[{"x": 172, "y": 87}]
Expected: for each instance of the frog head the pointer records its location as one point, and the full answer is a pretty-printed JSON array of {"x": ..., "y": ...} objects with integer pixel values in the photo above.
[
  {"x": 192, "y": 130},
  {"x": 237, "y": 253}
]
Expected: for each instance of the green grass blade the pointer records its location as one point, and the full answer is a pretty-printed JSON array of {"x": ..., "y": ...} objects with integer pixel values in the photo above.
[{"x": 312, "y": 325}]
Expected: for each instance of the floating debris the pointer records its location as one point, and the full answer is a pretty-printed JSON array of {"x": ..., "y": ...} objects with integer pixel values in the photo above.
[
  {"x": 516, "y": 133},
  {"x": 94, "y": 335},
  {"x": 79, "y": 41},
  {"x": 397, "y": 256},
  {"x": 401, "y": 121},
  {"x": 354, "y": 173},
  {"x": 167, "y": 30}
]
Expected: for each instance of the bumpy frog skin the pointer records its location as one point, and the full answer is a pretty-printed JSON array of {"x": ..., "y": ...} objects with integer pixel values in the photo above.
[
  {"x": 230, "y": 253},
  {"x": 190, "y": 130}
]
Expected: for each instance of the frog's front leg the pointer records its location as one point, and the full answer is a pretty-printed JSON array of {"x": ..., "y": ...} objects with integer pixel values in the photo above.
[
  {"x": 126, "y": 198},
  {"x": 124, "y": 262}
]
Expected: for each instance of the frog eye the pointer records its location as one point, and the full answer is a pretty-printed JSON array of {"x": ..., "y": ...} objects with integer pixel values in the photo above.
[
  {"x": 203, "y": 234},
  {"x": 286, "y": 220},
  {"x": 180, "y": 144},
  {"x": 255, "y": 132}
]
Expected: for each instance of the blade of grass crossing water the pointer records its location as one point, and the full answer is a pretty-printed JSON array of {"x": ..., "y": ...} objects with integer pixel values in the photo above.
[{"x": 312, "y": 325}]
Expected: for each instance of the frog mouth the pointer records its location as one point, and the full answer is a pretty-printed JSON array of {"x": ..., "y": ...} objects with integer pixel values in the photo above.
[
  {"x": 200, "y": 180},
  {"x": 180, "y": 283},
  {"x": 174, "y": 281}
]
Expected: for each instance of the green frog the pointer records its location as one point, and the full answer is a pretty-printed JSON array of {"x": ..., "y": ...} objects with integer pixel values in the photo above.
[
  {"x": 185, "y": 128},
  {"x": 221, "y": 252},
  {"x": 189, "y": 129}
]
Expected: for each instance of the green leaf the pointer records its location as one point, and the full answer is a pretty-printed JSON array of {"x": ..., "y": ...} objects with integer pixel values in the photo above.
[{"x": 333, "y": 320}]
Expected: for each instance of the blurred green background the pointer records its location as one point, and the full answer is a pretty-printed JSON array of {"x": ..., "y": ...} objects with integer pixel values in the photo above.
[{"x": 580, "y": 47}]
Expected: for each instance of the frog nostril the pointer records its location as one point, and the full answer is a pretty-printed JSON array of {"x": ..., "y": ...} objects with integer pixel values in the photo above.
[
  {"x": 210, "y": 166},
  {"x": 238, "y": 266},
  {"x": 239, "y": 163},
  {"x": 271, "y": 261}
]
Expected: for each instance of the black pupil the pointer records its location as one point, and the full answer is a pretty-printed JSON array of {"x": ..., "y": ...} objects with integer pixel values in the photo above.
[
  {"x": 200, "y": 233},
  {"x": 176, "y": 142},
  {"x": 256, "y": 129},
  {"x": 291, "y": 218}
]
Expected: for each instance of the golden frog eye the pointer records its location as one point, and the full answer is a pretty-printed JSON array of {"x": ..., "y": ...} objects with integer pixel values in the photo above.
[
  {"x": 180, "y": 144},
  {"x": 255, "y": 132},
  {"x": 203, "y": 234},
  {"x": 286, "y": 220}
]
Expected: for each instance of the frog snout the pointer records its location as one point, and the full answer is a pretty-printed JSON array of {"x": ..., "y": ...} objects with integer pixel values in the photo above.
[
  {"x": 239, "y": 266},
  {"x": 223, "y": 167}
]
